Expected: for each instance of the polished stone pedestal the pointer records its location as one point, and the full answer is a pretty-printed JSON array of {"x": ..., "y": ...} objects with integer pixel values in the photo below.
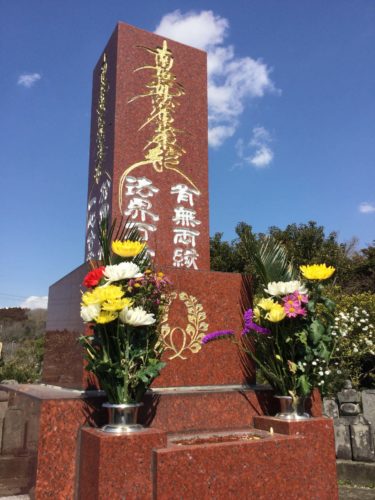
[
  {"x": 193, "y": 434},
  {"x": 247, "y": 463}
]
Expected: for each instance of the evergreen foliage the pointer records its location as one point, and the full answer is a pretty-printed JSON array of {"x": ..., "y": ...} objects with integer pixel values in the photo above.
[{"x": 304, "y": 243}]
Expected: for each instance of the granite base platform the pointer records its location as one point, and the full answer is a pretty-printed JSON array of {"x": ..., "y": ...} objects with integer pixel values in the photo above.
[
  {"x": 251, "y": 464},
  {"x": 50, "y": 422}
]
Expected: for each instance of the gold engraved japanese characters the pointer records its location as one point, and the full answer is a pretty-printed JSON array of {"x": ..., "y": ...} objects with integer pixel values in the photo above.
[
  {"x": 162, "y": 151},
  {"x": 182, "y": 340},
  {"x": 100, "y": 111}
]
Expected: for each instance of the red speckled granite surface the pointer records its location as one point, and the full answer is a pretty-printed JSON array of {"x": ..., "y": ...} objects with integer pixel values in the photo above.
[
  {"x": 301, "y": 466},
  {"x": 272, "y": 467},
  {"x": 222, "y": 296},
  {"x": 58, "y": 448},
  {"x": 219, "y": 408},
  {"x": 118, "y": 467},
  {"x": 317, "y": 460},
  {"x": 205, "y": 410},
  {"x": 126, "y": 139},
  {"x": 54, "y": 416}
]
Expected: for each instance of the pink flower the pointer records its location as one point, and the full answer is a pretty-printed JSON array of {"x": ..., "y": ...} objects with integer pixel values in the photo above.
[
  {"x": 301, "y": 297},
  {"x": 301, "y": 311},
  {"x": 291, "y": 307}
]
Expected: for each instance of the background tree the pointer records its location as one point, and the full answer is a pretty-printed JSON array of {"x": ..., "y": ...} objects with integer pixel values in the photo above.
[
  {"x": 362, "y": 276},
  {"x": 308, "y": 244},
  {"x": 305, "y": 243},
  {"x": 224, "y": 256}
]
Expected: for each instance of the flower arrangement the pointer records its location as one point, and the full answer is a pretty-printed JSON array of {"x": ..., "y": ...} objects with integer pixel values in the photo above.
[
  {"x": 123, "y": 304},
  {"x": 288, "y": 332}
]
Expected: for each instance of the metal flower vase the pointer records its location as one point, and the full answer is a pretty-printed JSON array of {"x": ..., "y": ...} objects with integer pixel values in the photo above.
[
  {"x": 292, "y": 408},
  {"x": 122, "y": 418}
]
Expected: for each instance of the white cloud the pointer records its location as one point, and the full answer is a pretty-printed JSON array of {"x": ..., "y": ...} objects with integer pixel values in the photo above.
[
  {"x": 262, "y": 157},
  {"x": 35, "y": 302},
  {"x": 200, "y": 30},
  {"x": 218, "y": 134},
  {"x": 28, "y": 79},
  {"x": 257, "y": 151},
  {"x": 231, "y": 80},
  {"x": 366, "y": 208}
]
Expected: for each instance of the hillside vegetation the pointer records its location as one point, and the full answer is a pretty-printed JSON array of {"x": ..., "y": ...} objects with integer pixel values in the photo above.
[{"x": 22, "y": 339}]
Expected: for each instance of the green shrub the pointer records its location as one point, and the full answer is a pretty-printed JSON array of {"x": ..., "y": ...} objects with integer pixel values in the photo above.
[{"x": 25, "y": 365}]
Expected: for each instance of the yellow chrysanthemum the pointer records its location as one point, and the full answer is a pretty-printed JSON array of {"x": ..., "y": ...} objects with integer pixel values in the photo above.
[
  {"x": 276, "y": 314},
  {"x": 117, "y": 304},
  {"x": 127, "y": 248},
  {"x": 317, "y": 271},
  {"x": 106, "y": 317},
  {"x": 256, "y": 313},
  {"x": 110, "y": 292},
  {"x": 101, "y": 294},
  {"x": 91, "y": 297},
  {"x": 266, "y": 304}
]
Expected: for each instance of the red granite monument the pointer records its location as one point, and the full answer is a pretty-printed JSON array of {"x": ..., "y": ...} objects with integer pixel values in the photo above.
[
  {"x": 149, "y": 164},
  {"x": 207, "y": 435}
]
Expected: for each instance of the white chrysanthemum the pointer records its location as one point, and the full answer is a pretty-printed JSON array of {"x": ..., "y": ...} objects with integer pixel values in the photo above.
[
  {"x": 136, "y": 316},
  {"x": 122, "y": 271},
  {"x": 88, "y": 313},
  {"x": 277, "y": 288}
]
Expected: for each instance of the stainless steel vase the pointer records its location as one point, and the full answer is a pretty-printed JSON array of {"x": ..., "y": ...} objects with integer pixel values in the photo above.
[
  {"x": 122, "y": 418},
  {"x": 292, "y": 408}
]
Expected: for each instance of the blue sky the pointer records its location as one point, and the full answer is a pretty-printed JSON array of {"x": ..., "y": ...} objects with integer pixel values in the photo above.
[{"x": 292, "y": 119}]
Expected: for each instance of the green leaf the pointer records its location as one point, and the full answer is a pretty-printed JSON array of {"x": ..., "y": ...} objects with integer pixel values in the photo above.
[
  {"x": 268, "y": 256},
  {"x": 316, "y": 331},
  {"x": 302, "y": 337},
  {"x": 304, "y": 384},
  {"x": 330, "y": 305},
  {"x": 323, "y": 351},
  {"x": 311, "y": 306}
]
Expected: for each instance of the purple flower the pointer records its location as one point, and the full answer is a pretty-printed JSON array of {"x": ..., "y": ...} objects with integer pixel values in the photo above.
[
  {"x": 216, "y": 335},
  {"x": 250, "y": 325}
]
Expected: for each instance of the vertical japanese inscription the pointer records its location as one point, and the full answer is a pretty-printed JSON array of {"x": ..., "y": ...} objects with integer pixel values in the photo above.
[
  {"x": 100, "y": 111},
  {"x": 162, "y": 153},
  {"x": 98, "y": 203}
]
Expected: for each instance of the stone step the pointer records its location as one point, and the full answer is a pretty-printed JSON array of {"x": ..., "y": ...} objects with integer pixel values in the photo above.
[
  {"x": 358, "y": 473},
  {"x": 16, "y": 497},
  {"x": 12, "y": 487},
  {"x": 356, "y": 493},
  {"x": 16, "y": 475}
]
